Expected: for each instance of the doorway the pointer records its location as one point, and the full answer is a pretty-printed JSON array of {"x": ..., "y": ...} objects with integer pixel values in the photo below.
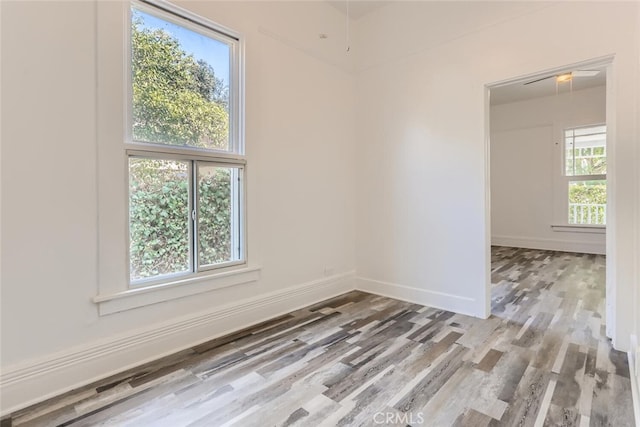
[{"x": 547, "y": 161}]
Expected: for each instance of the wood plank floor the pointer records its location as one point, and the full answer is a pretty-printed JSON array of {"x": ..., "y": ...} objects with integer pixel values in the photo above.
[{"x": 541, "y": 359}]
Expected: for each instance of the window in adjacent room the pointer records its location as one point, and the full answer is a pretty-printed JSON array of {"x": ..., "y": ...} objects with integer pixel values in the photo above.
[
  {"x": 184, "y": 148},
  {"x": 585, "y": 160}
]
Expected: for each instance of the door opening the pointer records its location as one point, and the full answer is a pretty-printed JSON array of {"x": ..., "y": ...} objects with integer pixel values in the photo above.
[{"x": 548, "y": 153}]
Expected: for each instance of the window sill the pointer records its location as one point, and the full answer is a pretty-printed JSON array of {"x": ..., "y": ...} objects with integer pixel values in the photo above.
[
  {"x": 140, "y": 297},
  {"x": 580, "y": 228}
]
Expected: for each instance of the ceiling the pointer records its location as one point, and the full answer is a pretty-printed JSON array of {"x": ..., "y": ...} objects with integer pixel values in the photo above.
[
  {"x": 512, "y": 92},
  {"x": 518, "y": 91},
  {"x": 357, "y": 8}
]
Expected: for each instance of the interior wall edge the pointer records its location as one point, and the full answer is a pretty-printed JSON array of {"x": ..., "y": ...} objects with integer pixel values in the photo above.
[{"x": 37, "y": 380}]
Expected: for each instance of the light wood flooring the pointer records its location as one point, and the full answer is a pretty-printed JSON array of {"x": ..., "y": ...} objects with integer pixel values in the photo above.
[{"x": 359, "y": 359}]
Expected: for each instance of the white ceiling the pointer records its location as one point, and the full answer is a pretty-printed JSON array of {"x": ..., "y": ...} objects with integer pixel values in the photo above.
[
  {"x": 357, "y": 8},
  {"x": 519, "y": 91}
]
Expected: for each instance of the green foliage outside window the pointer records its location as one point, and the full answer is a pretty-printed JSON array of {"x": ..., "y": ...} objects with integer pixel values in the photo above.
[
  {"x": 176, "y": 99},
  {"x": 588, "y": 194},
  {"x": 158, "y": 217},
  {"x": 214, "y": 216}
]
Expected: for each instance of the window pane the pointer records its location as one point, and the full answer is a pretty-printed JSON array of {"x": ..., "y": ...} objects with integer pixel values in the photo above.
[
  {"x": 158, "y": 217},
  {"x": 586, "y": 151},
  {"x": 588, "y": 202},
  {"x": 217, "y": 214},
  {"x": 180, "y": 83}
]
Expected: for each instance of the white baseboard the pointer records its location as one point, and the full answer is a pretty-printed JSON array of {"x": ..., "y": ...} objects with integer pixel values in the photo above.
[
  {"x": 549, "y": 244},
  {"x": 37, "y": 380},
  {"x": 634, "y": 374},
  {"x": 441, "y": 300}
]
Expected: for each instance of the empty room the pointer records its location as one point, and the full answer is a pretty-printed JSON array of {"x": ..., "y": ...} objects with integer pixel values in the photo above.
[{"x": 319, "y": 213}]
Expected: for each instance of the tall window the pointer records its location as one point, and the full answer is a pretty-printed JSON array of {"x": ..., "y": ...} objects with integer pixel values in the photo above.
[
  {"x": 184, "y": 150},
  {"x": 586, "y": 173}
]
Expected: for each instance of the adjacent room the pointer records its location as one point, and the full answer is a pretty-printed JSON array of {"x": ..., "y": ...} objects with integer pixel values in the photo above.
[{"x": 319, "y": 213}]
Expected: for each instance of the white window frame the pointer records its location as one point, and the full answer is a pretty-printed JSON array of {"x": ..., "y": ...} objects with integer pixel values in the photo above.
[
  {"x": 236, "y": 221},
  {"x": 116, "y": 293},
  {"x": 562, "y": 186}
]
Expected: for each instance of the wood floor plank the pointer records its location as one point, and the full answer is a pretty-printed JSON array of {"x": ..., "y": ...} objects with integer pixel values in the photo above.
[
  {"x": 472, "y": 418},
  {"x": 489, "y": 360},
  {"x": 541, "y": 358}
]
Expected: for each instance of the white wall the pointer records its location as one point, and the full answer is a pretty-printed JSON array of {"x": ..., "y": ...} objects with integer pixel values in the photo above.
[
  {"x": 526, "y": 165},
  {"x": 423, "y": 203},
  {"x": 300, "y": 153}
]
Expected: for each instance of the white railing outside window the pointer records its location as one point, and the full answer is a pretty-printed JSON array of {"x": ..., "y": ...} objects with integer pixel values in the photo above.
[{"x": 585, "y": 213}]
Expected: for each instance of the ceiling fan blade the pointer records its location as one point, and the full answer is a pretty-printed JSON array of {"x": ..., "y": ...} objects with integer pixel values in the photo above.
[
  {"x": 539, "y": 80},
  {"x": 585, "y": 73}
]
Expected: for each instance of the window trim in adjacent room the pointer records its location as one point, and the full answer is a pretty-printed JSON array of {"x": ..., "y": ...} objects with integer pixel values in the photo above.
[{"x": 116, "y": 291}]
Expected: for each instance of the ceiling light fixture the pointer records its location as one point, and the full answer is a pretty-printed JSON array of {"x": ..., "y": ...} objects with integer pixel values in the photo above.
[{"x": 567, "y": 77}]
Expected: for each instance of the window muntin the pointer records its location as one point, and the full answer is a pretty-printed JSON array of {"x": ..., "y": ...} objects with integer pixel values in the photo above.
[
  {"x": 585, "y": 161},
  {"x": 184, "y": 149}
]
